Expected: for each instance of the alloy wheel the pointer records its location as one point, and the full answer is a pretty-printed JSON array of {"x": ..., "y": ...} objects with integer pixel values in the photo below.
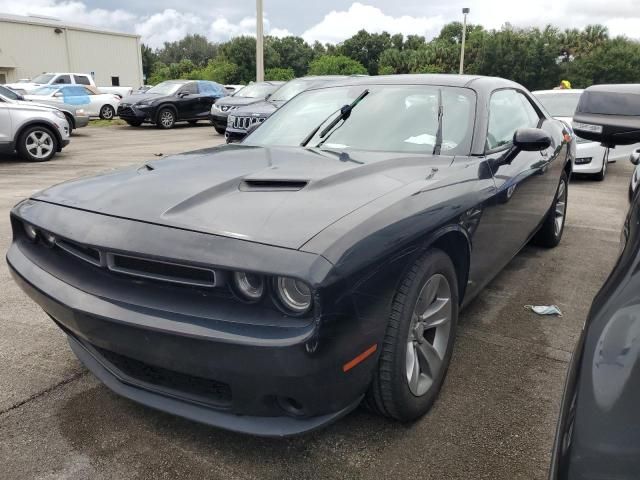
[
  {"x": 39, "y": 144},
  {"x": 429, "y": 332},
  {"x": 166, "y": 119},
  {"x": 106, "y": 112},
  {"x": 561, "y": 207}
]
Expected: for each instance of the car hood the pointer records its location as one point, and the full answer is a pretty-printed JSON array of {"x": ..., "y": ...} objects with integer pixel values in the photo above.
[
  {"x": 139, "y": 97},
  {"x": 280, "y": 197},
  {"x": 25, "y": 86},
  {"x": 263, "y": 108},
  {"x": 238, "y": 101}
]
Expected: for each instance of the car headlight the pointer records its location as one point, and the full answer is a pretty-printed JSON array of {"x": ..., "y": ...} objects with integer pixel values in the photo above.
[
  {"x": 294, "y": 294},
  {"x": 30, "y": 231},
  {"x": 217, "y": 107},
  {"x": 249, "y": 286},
  {"x": 59, "y": 114}
]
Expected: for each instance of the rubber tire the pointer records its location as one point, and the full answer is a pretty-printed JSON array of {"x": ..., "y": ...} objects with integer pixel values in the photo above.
[
  {"x": 546, "y": 236},
  {"x": 159, "y": 125},
  {"x": 22, "y": 147},
  {"x": 603, "y": 172},
  {"x": 193, "y": 122},
  {"x": 221, "y": 131},
  {"x": 72, "y": 124},
  {"x": 108, "y": 108},
  {"x": 134, "y": 123},
  {"x": 389, "y": 393}
]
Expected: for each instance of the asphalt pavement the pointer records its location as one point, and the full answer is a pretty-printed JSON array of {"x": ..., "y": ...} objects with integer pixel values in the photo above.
[{"x": 495, "y": 417}]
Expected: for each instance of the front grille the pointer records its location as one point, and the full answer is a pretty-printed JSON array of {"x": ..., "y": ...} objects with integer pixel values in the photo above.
[
  {"x": 125, "y": 111},
  {"x": 188, "y": 387},
  {"x": 243, "y": 123},
  {"x": 146, "y": 268},
  {"x": 163, "y": 271}
]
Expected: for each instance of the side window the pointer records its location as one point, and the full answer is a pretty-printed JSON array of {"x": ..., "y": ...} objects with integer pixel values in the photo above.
[
  {"x": 191, "y": 88},
  {"x": 82, "y": 79},
  {"x": 509, "y": 110},
  {"x": 87, "y": 91},
  {"x": 209, "y": 88},
  {"x": 63, "y": 79}
]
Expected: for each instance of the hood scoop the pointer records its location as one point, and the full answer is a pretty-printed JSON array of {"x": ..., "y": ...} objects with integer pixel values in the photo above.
[{"x": 272, "y": 185}]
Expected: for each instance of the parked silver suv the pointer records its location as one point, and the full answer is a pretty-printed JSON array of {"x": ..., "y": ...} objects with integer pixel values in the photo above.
[{"x": 35, "y": 132}]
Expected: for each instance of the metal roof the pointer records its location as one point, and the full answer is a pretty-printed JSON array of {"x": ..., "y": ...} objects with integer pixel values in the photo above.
[{"x": 54, "y": 22}]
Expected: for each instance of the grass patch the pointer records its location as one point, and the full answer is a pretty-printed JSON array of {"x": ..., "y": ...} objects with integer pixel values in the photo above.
[{"x": 106, "y": 123}]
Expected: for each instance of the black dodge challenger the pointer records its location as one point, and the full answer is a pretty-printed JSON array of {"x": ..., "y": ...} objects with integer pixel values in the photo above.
[{"x": 269, "y": 287}]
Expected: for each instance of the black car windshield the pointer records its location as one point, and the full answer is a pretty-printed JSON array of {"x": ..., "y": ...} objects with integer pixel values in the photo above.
[
  {"x": 256, "y": 90},
  {"x": 165, "y": 88},
  {"x": 560, "y": 104},
  {"x": 399, "y": 118},
  {"x": 42, "y": 78},
  {"x": 290, "y": 90}
]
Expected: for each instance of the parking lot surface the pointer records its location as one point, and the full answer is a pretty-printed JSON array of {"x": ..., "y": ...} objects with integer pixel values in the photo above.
[{"x": 495, "y": 417}]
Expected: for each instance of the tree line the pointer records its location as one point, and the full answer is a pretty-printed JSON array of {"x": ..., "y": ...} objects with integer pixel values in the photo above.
[{"x": 537, "y": 58}]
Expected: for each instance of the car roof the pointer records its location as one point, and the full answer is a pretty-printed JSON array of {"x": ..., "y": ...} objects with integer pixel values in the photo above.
[
  {"x": 559, "y": 90},
  {"x": 475, "y": 82}
]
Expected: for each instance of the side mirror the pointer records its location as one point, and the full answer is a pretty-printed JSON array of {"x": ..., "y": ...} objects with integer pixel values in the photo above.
[
  {"x": 609, "y": 114},
  {"x": 57, "y": 94},
  {"x": 183, "y": 94},
  {"x": 524, "y": 140},
  {"x": 20, "y": 97},
  {"x": 268, "y": 96},
  {"x": 531, "y": 139},
  {"x": 635, "y": 156}
]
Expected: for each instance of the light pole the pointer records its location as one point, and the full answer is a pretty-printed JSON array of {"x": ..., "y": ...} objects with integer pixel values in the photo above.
[
  {"x": 259, "y": 43},
  {"x": 465, "y": 11}
]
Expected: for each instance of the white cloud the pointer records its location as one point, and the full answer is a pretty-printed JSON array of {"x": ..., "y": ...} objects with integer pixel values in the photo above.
[
  {"x": 339, "y": 25},
  {"x": 168, "y": 26}
]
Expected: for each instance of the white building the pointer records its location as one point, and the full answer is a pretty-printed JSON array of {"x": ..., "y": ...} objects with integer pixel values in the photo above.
[{"x": 33, "y": 45}]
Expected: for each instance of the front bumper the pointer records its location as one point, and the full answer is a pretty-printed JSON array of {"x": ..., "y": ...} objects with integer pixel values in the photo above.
[
  {"x": 206, "y": 363},
  {"x": 81, "y": 121},
  {"x": 591, "y": 151},
  {"x": 136, "y": 114},
  {"x": 218, "y": 119},
  {"x": 234, "y": 134}
]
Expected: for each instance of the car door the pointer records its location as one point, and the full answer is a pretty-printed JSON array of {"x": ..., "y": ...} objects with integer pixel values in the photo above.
[
  {"x": 522, "y": 194},
  {"x": 209, "y": 92},
  {"x": 78, "y": 96},
  {"x": 187, "y": 101}
]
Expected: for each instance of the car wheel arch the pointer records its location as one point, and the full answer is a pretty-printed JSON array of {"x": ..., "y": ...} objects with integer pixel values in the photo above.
[
  {"x": 166, "y": 105},
  {"x": 41, "y": 123}
]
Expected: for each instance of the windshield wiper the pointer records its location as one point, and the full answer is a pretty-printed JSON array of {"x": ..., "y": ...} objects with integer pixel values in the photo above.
[
  {"x": 345, "y": 112},
  {"x": 438, "y": 146}
]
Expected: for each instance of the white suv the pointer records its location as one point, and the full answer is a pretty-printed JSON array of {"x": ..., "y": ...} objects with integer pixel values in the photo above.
[{"x": 35, "y": 132}]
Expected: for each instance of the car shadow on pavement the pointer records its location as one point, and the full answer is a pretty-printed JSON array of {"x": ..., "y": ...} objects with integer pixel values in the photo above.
[{"x": 105, "y": 427}]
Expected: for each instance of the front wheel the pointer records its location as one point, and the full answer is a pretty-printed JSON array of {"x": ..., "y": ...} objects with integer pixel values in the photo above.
[
  {"x": 419, "y": 339},
  {"x": 550, "y": 233},
  {"x": 107, "y": 112},
  {"x": 37, "y": 144},
  {"x": 166, "y": 118}
]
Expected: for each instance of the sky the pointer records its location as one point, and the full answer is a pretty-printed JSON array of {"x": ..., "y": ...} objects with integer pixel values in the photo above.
[{"x": 158, "y": 21}]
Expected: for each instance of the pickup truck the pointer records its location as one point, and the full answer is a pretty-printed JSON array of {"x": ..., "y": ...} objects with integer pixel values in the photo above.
[{"x": 65, "y": 78}]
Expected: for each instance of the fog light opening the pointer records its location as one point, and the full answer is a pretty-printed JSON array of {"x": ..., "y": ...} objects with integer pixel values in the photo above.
[{"x": 291, "y": 406}]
